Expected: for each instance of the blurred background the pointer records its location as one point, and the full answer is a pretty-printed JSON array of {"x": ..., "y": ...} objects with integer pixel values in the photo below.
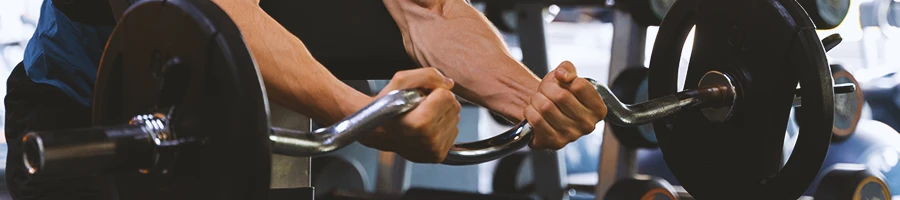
[{"x": 583, "y": 35}]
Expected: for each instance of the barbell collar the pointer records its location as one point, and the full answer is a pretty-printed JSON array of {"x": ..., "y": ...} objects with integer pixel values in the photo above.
[{"x": 81, "y": 152}]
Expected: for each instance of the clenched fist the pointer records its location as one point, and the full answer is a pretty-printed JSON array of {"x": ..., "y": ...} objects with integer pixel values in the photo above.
[
  {"x": 426, "y": 133},
  {"x": 564, "y": 109}
]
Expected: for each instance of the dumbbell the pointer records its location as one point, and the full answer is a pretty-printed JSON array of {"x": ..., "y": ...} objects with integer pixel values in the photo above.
[
  {"x": 845, "y": 181},
  {"x": 847, "y": 108},
  {"x": 641, "y": 187},
  {"x": 827, "y": 14},
  {"x": 874, "y": 145}
]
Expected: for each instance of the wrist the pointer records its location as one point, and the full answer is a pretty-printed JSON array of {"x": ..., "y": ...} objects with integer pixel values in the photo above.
[{"x": 351, "y": 102}]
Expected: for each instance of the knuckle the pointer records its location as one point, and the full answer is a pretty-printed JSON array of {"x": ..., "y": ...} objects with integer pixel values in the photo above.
[
  {"x": 434, "y": 72},
  {"x": 602, "y": 112},
  {"x": 445, "y": 94},
  {"x": 436, "y": 155},
  {"x": 581, "y": 84},
  {"x": 418, "y": 127},
  {"x": 572, "y": 131},
  {"x": 534, "y": 117},
  {"x": 559, "y": 96},
  {"x": 545, "y": 107},
  {"x": 586, "y": 127},
  {"x": 401, "y": 75}
]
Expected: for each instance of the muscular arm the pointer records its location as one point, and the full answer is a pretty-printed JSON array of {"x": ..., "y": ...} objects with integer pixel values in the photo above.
[
  {"x": 293, "y": 78},
  {"x": 484, "y": 71}
]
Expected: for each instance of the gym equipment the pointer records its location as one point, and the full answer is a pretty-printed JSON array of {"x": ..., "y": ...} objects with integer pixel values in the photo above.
[
  {"x": 182, "y": 119},
  {"x": 847, "y": 108},
  {"x": 631, "y": 87},
  {"x": 641, "y": 187},
  {"x": 852, "y": 181},
  {"x": 882, "y": 95},
  {"x": 765, "y": 48},
  {"x": 827, "y": 14},
  {"x": 178, "y": 138},
  {"x": 874, "y": 145}
]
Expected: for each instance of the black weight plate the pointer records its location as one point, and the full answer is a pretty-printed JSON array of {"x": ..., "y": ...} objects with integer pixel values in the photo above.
[
  {"x": 766, "y": 47},
  {"x": 221, "y": 100},
  {"x": 847, "y": 107},
  {"x": 631, "y": 87},
  {"x": 827, "y": 14},
  {"x": 851, "y": 181},
  {"x": 641, "y": 187}
]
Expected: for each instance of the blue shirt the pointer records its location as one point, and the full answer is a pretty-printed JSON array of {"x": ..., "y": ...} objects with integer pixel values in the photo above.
[{"x": 65, "y": 54}]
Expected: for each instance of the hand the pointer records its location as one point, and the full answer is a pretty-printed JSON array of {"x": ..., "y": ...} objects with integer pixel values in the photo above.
[
  {"x": 426, "y": 133},
  {"x": 564, "y": 109}
]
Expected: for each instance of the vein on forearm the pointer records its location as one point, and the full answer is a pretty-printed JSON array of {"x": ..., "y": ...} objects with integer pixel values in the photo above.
[
  {"x": 293, "y": 78},
  {"x": 457, "y": 39}
]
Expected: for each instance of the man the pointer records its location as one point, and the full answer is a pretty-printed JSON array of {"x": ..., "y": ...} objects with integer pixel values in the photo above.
[{"x": 458, "y": 47}]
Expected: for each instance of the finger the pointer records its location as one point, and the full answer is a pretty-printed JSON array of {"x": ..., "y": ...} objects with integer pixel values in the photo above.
[
  {"x": 422, "y": 78},
  {"x": 448, "y": 130},
  {"x": 551, "y": 113},
  {"x": 544, "y": 135},
  {"x": 436, "y": 139},
  {"x": 585, "y": 92},
  {"x": 565, "y": 72},
  {"x": 423, "y": 116},
  {"x": 570, "y": 106}
]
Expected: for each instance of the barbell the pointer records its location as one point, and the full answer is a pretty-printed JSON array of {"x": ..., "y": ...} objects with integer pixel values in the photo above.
[
  {"x": 183, "y": 114},
  {"x": 631, "y": 86}
]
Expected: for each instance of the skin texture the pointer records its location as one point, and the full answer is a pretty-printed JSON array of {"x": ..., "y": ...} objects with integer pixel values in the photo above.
[
  {"x": 454, "y": 37},
  {"x": 422, "y": 135},
  {"x": 459, "y": 43}
]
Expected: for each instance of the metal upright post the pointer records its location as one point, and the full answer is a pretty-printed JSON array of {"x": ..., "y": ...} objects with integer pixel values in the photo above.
[
  {"x": 531, "y": 37},
  {"x": 393, "y": 174},
  {"x": 290, "y": 175},
  {"x": 550, "y": 166},
  {"x": 629, "y": 40}
]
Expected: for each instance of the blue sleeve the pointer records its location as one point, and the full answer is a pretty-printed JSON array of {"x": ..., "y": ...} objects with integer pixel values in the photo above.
[{"x": 65, "y": 54}]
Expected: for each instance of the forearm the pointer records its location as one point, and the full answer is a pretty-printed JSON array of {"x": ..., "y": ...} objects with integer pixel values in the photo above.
[
  {"x": 293, "y": 78},
  {"x": 454, "y": 37}
]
